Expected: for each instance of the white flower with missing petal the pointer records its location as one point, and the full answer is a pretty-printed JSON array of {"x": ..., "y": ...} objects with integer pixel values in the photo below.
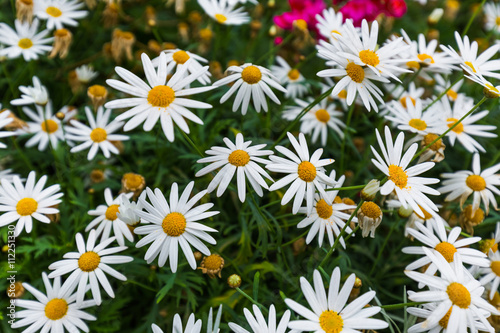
[
  {"x": 158, "y": 99},
  {"x": 174, "y": 224},
  {"x": 239, "y": 158},
  {"x": 293, "y": 81},
  {"x": 305, "y": 173},
  {"x": 88, "y": 265},
  {"x": 258, "y": 323},
  {"x": 23, "y": 203},
  {"x": 85, "y": 73}
]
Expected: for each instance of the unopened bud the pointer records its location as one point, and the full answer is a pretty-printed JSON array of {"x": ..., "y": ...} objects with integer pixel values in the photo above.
[
  {"x": 405, "y": 212},
  {"x": 370, "y": 191},
  {"x": 234, "y": 281},
  {"x": 435, "y": 16}
]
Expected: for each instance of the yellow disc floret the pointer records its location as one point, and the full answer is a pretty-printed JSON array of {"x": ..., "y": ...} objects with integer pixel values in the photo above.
[
  {"x": 26, "y": 206},
  {"x": 56, "y": 308},
  {"x": 174, "y": 224},
  {"x": 418, "y": 124},
  {"x": 220, "y": 18},
  {"x": 89, "y": 261},
  {"x": 53, "y": 11},
  {"x": 355, "y": 72},
  {"x": 323, "y": 209},
  {"x": 239, "y": 158},
  {"x": 293, "y": 74},
  {"x": 371, "y": 210},
  {"x": 398, "y": 176},
  {"x": 468, "y": 63},
  {"x": 213, "y": 262},
  {"x": 111, "y": 212},
  {"x": 476, "y": 182},
  {"x": 25, "y": 43},
  {"x": 444, "y": 321},
  {"x": 322, "y": 115},
  {"x": 331, "y": 322},
  {"x": 49, "y": 126},
  {"x": 161, "y": 96},
  {"x": 447, "y": 250},
  {"x": 457, "y": 129},
  {"x": 425, "y": 58},
  {"x": 251, "y": 74},
  {"x": 98, "y": 135},
  {"x": 459, "y": 295},
  {"x": 369, "y": 57},
  {"x": 306, "y": 171},
  {"x": 180, "y": 57}
]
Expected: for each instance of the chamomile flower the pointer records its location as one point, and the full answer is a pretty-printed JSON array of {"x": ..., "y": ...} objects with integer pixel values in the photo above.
[
  {"x": 481, "y": 184},
  {"x": 45, "y": 126},
  {"x": 492, "y": 13},
  {"x": 252, "y": 82},
  {"x": 410, "y": 189},
  {"x": 454, "y": 290},
  {"x": 489, "y": 89},
  {"x": 85, "y": 73},
  {"x": 23, "y": 203},
  {"x": 412, "y": 118},
  {"x": 399, "y": 91},
  {"x": 435, "y": 238},
  {"x": 239, "y": 158},
  {"x": 293, "y": 81},
  {"x": 320, "y": 118},
  {"x": 37, "y": 94},
  {"x": 5, "y": 119},
  {"x": 88, "y": 265},
  {"x": 224, "y": 12},
  {"x": 98, "y": 135},
  {"x": 158, "y": 99},
  {"x": 258, "y": 323},
  {"x": 329, "y": 312},
  {"x": 469, "y": 60},
  {"x": 59, "y": 13},
  {"x": 192, "y": 326},
  {"x": 173, "y": 225},
  {"x": 464, "y": 131},
  {"x": 53, "y": 312},
  {"x": 127, "y": 212},
  {"x": 491, "y": 243},
  {"x": 330, "y": 24},
  {"x": 24, "y": 40},
  {"x": 107, "y": 219},
  {"x": 491, "y": 274},
  {"x": 305, "y": 173},
  {"x": 327, "y": 218},
  {"x": 178, "y": 58},
  {"x": 453, "y": 89}
]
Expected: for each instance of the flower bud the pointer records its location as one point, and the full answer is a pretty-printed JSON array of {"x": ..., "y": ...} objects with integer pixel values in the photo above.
[{"x": 370, "y": 190}]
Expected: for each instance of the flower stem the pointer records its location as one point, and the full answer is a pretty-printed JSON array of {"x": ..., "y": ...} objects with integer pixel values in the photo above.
[
  {"x": 478, "y": 9},
  {"x": 443, "y": 93},
  {"x": 355, "y": 187},
  {"x": 244, "y": 294},
  {"x": 400, "y": 305}
]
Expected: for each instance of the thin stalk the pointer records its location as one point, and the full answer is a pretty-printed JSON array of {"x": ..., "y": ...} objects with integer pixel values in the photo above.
[
  {"x": 443, "y": 93},
  {"x": 274, "y": 49},
  {"x": 400, "y": 305},
  {"x": 345, "y": 188},
  {"x": 478, "y": 9},
  {"x": 244, "y": 294},
  {"x": 191, "y": 143}
]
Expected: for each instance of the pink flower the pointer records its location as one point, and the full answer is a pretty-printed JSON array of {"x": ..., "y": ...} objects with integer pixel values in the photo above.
[
  {"x": 301, "y": 10},
  {"x": 357, "y": 10}
]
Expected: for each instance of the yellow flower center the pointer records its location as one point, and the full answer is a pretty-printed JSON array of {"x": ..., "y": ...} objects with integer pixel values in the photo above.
[
  {"x": 61, "y": 33},
  {"x": 97, "y": 90},
  {"x": 180, "y": 57},
  {"x": 26, "y": 206},
  {"x": 53, "y": 11},
  {"x": 497, "y": 21},
  {"x": 49, "y": 126},
  {"x": 444, "y": 321},
  {"x": 475, "y": 218},
  {"x": 220, "y": 18},
  {"x": 343, "y": 94},
  {"x": 323, "y": 209},
  {"x": 476, "y": 182},
  {"x": 25, "y": 43},
  {"x": 425, "y": 58},
  {"x": 492, "y": 89},
  {"x": 495, "y": 267},
  {"x": 213, "y": 262},
  {"x": 369, "y": 57},
  {"x": 355, "y": 72},
  {"x": 306, "y": 171},
  {"x": 293, "y": 74},
  {"x": 371, "y": 209},
  {"x": 468, "y": 63},
  {"x": 488, "y": 244},
  {"x": 459, "y": 295},
  {"x": 430, "y": 138},
  {"x": 322, "y": 115},
  {"x": 402, "y": 100},
  {"x": 457, "y": 129},
  {"x": 418, "y": 124},
  {"x": 174, "y": 224},
  {"x": 133, "y": 180},
  {"x": 89, "y": 261},
  {"x": 413, "y": 64},
  {"x": 426, "y": 214},
  {"x": 398, "y": 176},
  {"x": 333, "y": 32},
  {"x": 447, "y": 250},
  {"x": 111, "y": 212},
  {"x": 97, "y": 176},
  {"x": 452, "y": 94},
  {"x": 161, "y": 96},
  {"x": 300, "y": 24},
  {"x": 331, "y": 322},
  {"x": 239, "y": 158},
  {"x": 56, "y": 308},
  {"x": 98, "y": 135},
  {"x": 251, "y": 75}
]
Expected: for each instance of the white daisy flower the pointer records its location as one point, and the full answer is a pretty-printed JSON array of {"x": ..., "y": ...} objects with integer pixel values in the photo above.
[
  {"x": 32, "y": 95},
  {"x": 492, "y": 14},
  {"x": 355, "y": 79},
  {"x": 330, "y": 24},
  {"x": 178, "y": 58},
  {"x": 481, "y": 184},
  {"x": 326, "y": 217},
  {"x": 412, "y": 118},
  {"x": 413, "y": 92},
  {"x": 318, "y": 120},
  {"x": 88, "y": 265},
  {"x": 468, "y": 59},
  {"x": 294, "y": 82},
  {"x": 53, "y": 312},
  {"x": 174, "y": 225},
  {"x": 466, "y": 128},
  {"x": 85, "y": 73},
  {"x": 5, "y": 119},
  {"x": 409, "y": 188},
  {"x": 491, "y": 274},
  {"x": 98, "y": 135},
  {"x": 23, "y": 203},
  {"x": 305, "y": 173},
  {"x": 488, "y": 86},
  {"x": 329, "y": 311},
  {"x": 455, "y": 289},
  {"x": 59, "y": 13},
  {"x": 127, "y": 212},
  {"x": 107, "y": 219},
  {"x": 158, "y": 99},
  {"x": 491, "y": 243},
  {"x": 442, "y": 85},
  {"x": 45, "y": 126},
  {"x": 435, "y": 238},
  {"x": 258, "y": 323},
  {"x": 24, "y": 40},
  {"x": 239, "y": 158},
  {"x": 191, "y": 325},
  {"x": 224, "y": 13},
  {"x": 252, "y": 82}
]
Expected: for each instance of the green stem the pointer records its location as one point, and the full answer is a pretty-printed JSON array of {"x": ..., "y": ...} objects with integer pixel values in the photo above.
[
  {"x": 342, "y": 147},
  {"x": 379, "y": 256},
  {"x": 191, "y": 143},
  {"x": 400, "y": 305},
  {"x": 21, "y": 153},
  {"x": 309, "y": 57},
  {"x": 443, "y": 93},
  {"x": 478, "y": 9},
  {"x": 244, "y": 294},
  {"x": 461, "y": 233},
  {"x": 274, "y": 49},
  {"x": 355, "y": 187}
]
